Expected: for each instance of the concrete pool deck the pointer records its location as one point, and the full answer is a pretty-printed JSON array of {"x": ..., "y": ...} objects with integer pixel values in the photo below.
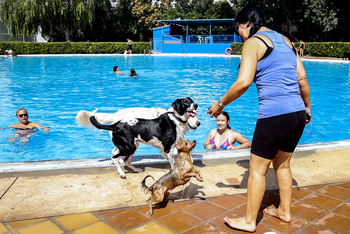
[{"x": 84, "y": 200}]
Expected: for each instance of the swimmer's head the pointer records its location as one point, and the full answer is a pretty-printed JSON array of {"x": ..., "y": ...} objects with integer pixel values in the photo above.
[
  {"x": 115, "y": 68},
  {"x": 132, "y": 72},
  {"x": 22, "y": 115},
  {"x": 21, "y": 110}
]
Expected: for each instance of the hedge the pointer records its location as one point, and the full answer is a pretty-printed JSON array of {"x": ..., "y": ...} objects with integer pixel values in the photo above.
[
  {"x": 321, "y": 49},
  {"x": 73, "y": 47}
]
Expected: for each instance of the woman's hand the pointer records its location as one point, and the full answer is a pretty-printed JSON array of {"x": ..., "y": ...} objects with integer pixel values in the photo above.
[
  {"x": 215, "y": 109},
  {"x": 308, "y": 120},
  {"x": 209, "y": 146}
]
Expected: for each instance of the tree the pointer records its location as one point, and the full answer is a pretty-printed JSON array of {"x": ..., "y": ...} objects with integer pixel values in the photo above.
[{"x": 58, "y": 18}]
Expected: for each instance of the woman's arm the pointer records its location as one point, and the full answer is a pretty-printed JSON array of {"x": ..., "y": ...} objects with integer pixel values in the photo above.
[
  {"x": 236, "y": 136},
  {"x": 207, "y": 144},
  {"x": 303, "y": 85},
  {"x": 245, "y": 76}
]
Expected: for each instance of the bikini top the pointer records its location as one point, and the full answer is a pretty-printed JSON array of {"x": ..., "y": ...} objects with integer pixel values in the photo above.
[
  {"x": 270, "y": 49},
  {"x": 224, "y": 145}
]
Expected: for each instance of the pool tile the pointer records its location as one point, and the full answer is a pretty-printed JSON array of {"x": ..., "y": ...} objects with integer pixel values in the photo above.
[
  {"x": 335, "y": 222},
  {"x": 335, "y": 192},
  {"x": 150, "y": 228},
  {"x": 206, "y": 228},
  {"x": 205, "y": 210},
  {"x": 179, "y": 221},
  {"x": 45, "y": 227},
  {"x": 300, "y": 193},
  {"x": 242, "y": 210},
  {"x": 128, "y": 220},
  {"x": 185, "y": 204},
  {"x": 110, "y": 213},
  {"x": 295, "y": 225},
  {"x": 76, "y": 220},
  {"x": 160, "y": 211},
  {"x": 97, "y": 228},
  {"x": 315, "y": 229},
  {"x": 321, "y": 201},
  {"x": 3, "y": 229},
  {"x": 344, "y": 185},
  {"x": 229, "y": 202},
  {"x": 343, "y": 210},
  {"x": 315, "y": 187},
  {"x": 21, "y": 224},
  {"x": 306, "y": 211},
  {"x": 271, "y": 199}
]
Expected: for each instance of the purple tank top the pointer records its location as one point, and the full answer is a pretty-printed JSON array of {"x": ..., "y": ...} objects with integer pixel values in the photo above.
[{"x": 277, "y": 80}]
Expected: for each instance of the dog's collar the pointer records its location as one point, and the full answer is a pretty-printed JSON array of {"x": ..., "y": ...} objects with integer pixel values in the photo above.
[{"x": 169, "y": 112}]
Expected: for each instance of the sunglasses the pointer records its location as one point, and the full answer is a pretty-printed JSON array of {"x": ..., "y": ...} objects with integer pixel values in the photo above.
[{"x": 23, "y": 115}]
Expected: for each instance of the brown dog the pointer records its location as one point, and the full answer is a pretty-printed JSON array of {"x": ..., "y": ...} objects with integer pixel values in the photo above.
[{"x": 180, "y": 175}]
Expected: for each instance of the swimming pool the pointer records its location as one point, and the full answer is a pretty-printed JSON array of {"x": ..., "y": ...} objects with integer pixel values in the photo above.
[{"x": 54, "y": 88}]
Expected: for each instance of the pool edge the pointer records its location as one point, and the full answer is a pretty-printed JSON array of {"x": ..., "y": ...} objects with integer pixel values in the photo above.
[{"x": 7, "y": 167}]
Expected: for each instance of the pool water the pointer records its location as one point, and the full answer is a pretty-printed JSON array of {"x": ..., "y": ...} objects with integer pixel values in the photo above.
[{"x": 54, "y": 88}]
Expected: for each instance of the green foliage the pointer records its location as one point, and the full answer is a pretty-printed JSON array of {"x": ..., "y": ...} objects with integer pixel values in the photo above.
[
  {"x": 237, "y": 48},
  {"x": 60, "y": 19},
  {"x": 327, "y": 49},
  {"x": 318, "y": 49},
  {"x": 117, "y": 20},
  {"x": 73, "y": 47}
]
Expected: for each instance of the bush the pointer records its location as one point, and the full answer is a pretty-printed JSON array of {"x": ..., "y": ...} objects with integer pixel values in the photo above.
[
  {"x": 322, "y": 49},
  {"x": 73, "y": 47}
]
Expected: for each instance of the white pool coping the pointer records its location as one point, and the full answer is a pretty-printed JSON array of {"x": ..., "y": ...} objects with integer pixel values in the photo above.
[{"x": 144, "y": 160}]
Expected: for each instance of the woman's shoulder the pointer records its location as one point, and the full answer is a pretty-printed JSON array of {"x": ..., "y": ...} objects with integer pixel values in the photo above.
[
  {"x": 233, "y": 133},
  {"x": 212, "y": 132}
]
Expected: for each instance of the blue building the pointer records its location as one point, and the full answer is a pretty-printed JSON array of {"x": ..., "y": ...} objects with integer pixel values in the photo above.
[{"x": 176, "y": 38}]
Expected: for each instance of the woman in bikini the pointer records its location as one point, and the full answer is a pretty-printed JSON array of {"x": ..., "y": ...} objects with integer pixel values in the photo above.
[{"x": 223, "y": 137}]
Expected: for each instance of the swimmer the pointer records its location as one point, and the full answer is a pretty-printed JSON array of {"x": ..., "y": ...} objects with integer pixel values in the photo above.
[
  {"x": 24, "y": 129},
  {"x": 116, "y": 70},
  {"x": 133, "y": 72}
]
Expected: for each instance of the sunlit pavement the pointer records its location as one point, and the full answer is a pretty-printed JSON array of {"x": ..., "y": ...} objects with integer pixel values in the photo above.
[{"x": 97, "y": 200}]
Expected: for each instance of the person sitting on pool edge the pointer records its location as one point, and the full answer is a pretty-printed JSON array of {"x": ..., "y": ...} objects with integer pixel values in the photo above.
[
  {"x": 224, "y": 137},
  {"x": 116, "y": 70},
  {"x": 22, "y": 116},
  {"x": 133, "y": 72}
]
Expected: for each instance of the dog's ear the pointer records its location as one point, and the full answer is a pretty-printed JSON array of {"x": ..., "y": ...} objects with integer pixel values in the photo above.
[{"x": 181, "y": 105}]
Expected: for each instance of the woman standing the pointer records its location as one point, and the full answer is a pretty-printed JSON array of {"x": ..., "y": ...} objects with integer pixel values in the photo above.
[
  {"x": 269, "y": 60},
  {"x": 224, "y": 137}
]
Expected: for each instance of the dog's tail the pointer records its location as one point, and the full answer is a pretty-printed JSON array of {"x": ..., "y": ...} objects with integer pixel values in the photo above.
[
  {"x": 83, "y": 117},
  {"x": 144, "y": 187},
  {"x": 98, "y": 124}
]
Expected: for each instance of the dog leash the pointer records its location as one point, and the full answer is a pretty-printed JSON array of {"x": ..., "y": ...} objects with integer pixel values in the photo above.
[{"x": 310, "y": 129}]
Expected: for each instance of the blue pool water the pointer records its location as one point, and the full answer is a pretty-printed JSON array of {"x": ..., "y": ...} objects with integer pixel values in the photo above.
[{"x": 54, "y": 88}]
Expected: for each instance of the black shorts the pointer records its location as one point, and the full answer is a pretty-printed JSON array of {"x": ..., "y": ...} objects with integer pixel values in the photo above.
[
  {"x": 130, "y": 47},
  {"x": 276, "y": 133}
]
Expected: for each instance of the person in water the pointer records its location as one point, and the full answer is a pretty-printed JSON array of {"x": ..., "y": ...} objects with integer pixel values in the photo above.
[
  {"x": 224, "y": 137},
  {"x": 133, "y": 72},
  {"x": 24, "y": 129},
  {"x": 24, "y": 124},
  {"x": 116, "y": 70}
]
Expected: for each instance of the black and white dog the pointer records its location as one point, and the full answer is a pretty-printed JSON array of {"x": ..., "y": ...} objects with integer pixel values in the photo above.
[{"x": 161, "y": 132}]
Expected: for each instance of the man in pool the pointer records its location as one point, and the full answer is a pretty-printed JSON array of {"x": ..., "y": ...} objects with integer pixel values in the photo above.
[{"x": 24, "y": 129}]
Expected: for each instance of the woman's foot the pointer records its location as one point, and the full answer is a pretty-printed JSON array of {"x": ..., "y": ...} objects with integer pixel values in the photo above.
[
  {"x": 240, "y": 223},
  {"x": 278, "y": 214}
]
